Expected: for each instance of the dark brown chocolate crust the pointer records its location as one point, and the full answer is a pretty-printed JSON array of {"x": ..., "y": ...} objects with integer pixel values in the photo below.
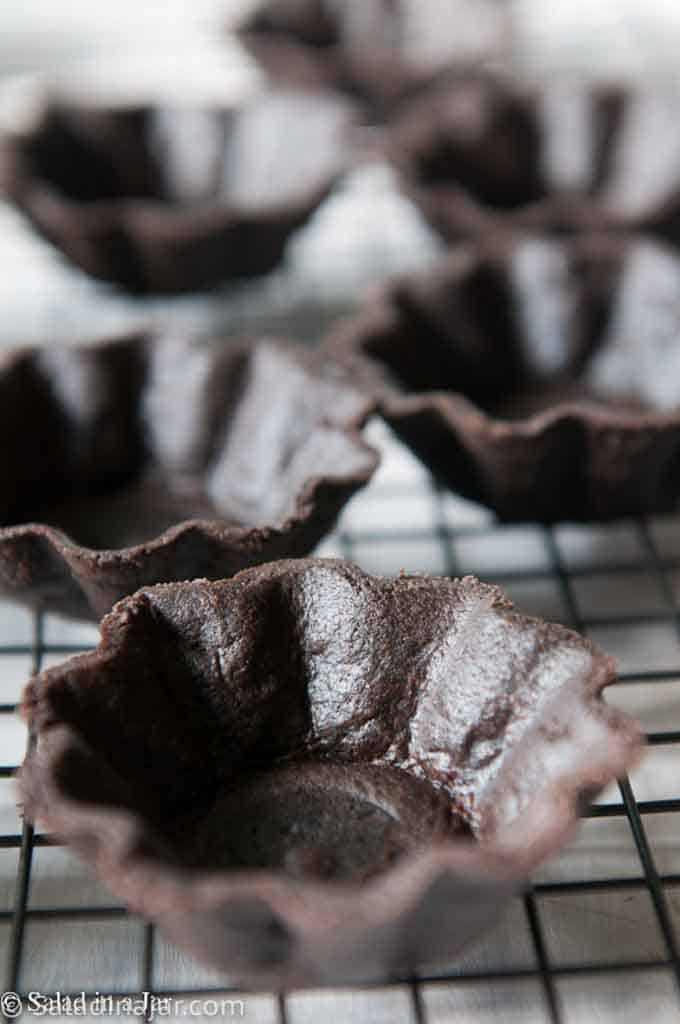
[
  {"x": 149, "y": 459},
  {"x": 162, "y": 200},
  {"x": 307, "y": 774},
  {"x": 482, "y": 154},
  {"x": 379, "y": 51},
  {"x": 539, "y": 377}
]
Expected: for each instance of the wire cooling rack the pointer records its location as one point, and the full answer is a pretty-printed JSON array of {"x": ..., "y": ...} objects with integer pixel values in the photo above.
[{"x": 595, "y": 935}]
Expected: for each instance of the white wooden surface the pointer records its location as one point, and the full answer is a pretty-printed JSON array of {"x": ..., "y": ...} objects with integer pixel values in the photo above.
[{"x": 365, "y": 231}]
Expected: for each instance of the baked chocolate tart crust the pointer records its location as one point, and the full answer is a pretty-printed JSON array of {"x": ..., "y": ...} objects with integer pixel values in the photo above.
[
  {"x": 482, "y": 153},
  {"x": 174, "y": 200},
  {"x": 306, "y": 774},
  {"x": 539, "y": 377},
  {"x": 148, "y": 459},
  {"x": 379, "y": 51}
]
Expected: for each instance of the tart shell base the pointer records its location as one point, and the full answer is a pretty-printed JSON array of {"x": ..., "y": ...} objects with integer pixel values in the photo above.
[
  {"x": 568, "y": 467},
  {"x": 307, "y": 775},
  {"x": 158, "y": 458},
  {"x": 536, "y": 376}
]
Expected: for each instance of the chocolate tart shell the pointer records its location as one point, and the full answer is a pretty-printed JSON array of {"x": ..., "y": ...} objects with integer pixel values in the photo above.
[
  {"x": 479, "y": 154},
  {"x": 536, "y": 376},
  {"x": 149, "y": 459},
  {"x": 378, "y": 52},
  {"x": 307, "y": 774},
  {"x": 177, "y": 200}
]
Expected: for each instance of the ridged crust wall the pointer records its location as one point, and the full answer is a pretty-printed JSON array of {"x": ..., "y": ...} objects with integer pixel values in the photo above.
[{"x": 307, "y": 774}]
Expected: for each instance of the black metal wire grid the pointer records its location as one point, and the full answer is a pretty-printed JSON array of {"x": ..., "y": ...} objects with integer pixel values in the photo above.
[{"x": 544, "y": 970}]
